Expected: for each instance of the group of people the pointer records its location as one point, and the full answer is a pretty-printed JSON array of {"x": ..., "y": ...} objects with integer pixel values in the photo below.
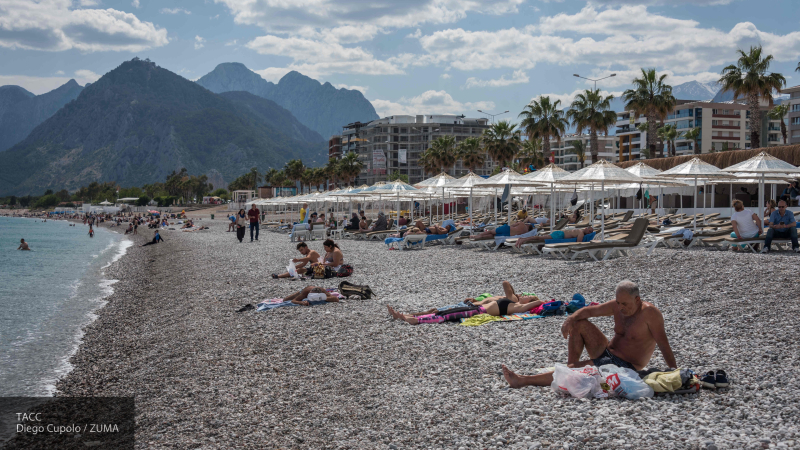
[
  {"x": 332, "y": 261},
  {"x": 638, "y": 330},
  {"x": 782, "y": 224}
]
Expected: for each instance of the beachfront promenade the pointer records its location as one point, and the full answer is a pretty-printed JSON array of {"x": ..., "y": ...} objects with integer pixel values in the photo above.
[{"x": 347, "y": 376}]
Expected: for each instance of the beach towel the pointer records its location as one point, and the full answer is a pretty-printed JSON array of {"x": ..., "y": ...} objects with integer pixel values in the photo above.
[
  {"x": 685, "y": 232},
  {"x": 586, "y": 238},
  {"x": 501, "y": 239},
  {"x": 507, "y": 318}
]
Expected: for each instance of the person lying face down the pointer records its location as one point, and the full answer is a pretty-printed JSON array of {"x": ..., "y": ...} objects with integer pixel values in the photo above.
[
  {"x": 638, "y": 329},
  {"x": 505, "y": 230},
  {"x": 310, "y": 294},
  {"x": 495, "y": 306},
  {"x": 578, "y": 233}
]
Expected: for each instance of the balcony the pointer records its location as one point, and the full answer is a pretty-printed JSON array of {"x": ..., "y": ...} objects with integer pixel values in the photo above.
[
  {"x": 725, "y": 127},
  {"x": 727, "y": 116}
]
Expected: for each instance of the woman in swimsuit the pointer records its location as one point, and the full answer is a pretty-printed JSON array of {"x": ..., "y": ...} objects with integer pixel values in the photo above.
[{"x": 334, "y": 258}]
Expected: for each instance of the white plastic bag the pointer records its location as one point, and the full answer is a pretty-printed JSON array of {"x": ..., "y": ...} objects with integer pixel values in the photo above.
[
  {"x": 580, "y": 382},
  {"x": 625, "y": 382},
  {"x": 291, "y": 269}
]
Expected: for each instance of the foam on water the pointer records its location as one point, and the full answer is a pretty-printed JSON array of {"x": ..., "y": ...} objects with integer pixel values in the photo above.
[{"x": 47, "y": 298}]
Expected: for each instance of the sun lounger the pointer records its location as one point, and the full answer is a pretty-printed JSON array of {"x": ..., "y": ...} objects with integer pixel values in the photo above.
[
  {"x": 535, "y": 248},
  {"x": 611, "y": 247},
  {"x": 406, "y": 242}
]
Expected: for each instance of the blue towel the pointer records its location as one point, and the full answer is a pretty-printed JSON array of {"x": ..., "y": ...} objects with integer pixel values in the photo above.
[
  {"x": 434, "y": 237},
  {"x": 586, "y": 238}
]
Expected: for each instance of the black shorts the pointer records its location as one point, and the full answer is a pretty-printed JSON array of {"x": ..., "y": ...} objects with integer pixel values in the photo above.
[{"x": 607, "y": 358}]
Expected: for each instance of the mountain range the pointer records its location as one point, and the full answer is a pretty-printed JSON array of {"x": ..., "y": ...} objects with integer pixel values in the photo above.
[
  {"x": 321, "y": 107},
  {"x": 21, "y": 111},
  {"x": 139, "y": 122}
]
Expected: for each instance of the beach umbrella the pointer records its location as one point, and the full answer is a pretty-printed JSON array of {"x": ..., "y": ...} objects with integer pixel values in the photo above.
[
  {"x": 106, "y": 203},
  {"x": 548, "y": 175},
  {"x": 762, "y": 164},
  {"x": 695, "y": 169},
  {"x": 468, "y": 181},
  {"x": 601, "y": 172},
  {"x": 397, "y": 187},
  {"x": 505, "y": 178},
  {"x": 650, "y": 174},
  {"x": 438, "y": 181}
]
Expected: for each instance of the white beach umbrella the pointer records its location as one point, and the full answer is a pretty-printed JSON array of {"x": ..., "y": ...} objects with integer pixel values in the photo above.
[
  {"x": 438, "y": 181},
  {"x": 548, "y": 175},
  {"x": 762, "y": 164},
  {"x": 601, "y": 172},
  {"x": 507, "y": 178},
  {"x": 695, "y": 169},
  {"x": 468, "y": 181},
  {"x": 650, "y": 175}
]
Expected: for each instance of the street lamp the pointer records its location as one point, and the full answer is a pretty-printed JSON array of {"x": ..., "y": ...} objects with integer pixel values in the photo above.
[
  {"x": 492, "y": 115},
  {"x": 595, "y": 81}
]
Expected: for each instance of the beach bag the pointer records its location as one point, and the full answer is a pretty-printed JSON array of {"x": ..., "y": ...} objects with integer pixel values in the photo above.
[
  {"x": 345, "y": 270},
  {"x": 320, "y": 272},
  {"x": 348, "y": 290},
  {"x": 625, "y": 382}
]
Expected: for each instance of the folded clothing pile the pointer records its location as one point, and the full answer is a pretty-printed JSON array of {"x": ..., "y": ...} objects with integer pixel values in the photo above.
[{"x": 678, "y": 381}]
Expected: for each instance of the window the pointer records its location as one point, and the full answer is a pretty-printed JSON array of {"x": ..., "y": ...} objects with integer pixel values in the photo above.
[
  {"x": 795, "y": 120},
  {"x": 796, "y": 107}
]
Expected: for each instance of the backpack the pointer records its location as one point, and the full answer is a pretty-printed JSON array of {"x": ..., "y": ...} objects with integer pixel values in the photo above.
[
  {"x": 349, "y": 289},
  {"x": 345, "y": 271}
]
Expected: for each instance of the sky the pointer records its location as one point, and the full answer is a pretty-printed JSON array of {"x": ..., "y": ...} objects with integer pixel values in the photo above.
[{"x": 406, "y": 57}]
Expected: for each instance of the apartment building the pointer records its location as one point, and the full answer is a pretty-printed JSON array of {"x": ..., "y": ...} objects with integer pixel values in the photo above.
[
  {"x": 394, "y": 144},
  {"x": 723, "y": 125},
  {"x": 793, "y": 125},
  {"x": 563, "y": 153}
]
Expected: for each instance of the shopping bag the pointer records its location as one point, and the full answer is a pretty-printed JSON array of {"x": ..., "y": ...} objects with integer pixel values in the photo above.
[
  {"x": 625, "y": 382},
  {"x": 291, "y": 269},
  {"x": 581, "y": 382}
]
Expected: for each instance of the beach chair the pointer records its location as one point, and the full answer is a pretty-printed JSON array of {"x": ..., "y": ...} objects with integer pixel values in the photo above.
[
  {"x": 558, "y": 247},
  {"x": 409, "y": 241},
  {"x": 317, "y": 231},
  {"x": 612, "y": 247}
]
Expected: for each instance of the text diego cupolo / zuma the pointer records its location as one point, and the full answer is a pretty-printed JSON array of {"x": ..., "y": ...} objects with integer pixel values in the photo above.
[{"x": 53, "y": 428}]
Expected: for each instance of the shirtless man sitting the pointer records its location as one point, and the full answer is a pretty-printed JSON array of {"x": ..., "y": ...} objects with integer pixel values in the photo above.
[
  {"x": 638, "y": 328},
  {"x": 558, "y": 234},
  {"x": 23, "y": 245},
  {"x": 309, "y": 257},
  {"x": 504, "y": 230},
  {"x": 495, "y": 306}
]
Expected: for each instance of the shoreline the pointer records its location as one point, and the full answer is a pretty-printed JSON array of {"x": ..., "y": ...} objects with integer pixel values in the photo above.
[{"x": 346, "y": 375}]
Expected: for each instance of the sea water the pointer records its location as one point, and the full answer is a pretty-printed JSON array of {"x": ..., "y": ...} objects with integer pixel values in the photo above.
[{"x": 47, "y": 296}]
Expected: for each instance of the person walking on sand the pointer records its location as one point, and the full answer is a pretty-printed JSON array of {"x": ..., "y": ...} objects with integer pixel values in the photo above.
[
  {"x": 23, "y": 245},
  {"x": 241, "y": 224},
  {"x": 638, "y": 329}
]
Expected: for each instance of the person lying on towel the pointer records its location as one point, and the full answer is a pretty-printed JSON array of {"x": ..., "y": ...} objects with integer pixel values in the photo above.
[
  {"x": 558, "y": 234},
  {"x": 310, "y": 294},
  {"x": 504, "y": 230},
  {"x": 495, "y": 306},
  {"x": 638, "y": 329},
  {"x": 509, "y": 294}
]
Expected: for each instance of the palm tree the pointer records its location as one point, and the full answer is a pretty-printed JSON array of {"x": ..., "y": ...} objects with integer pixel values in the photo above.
[
  {"x": 294, "y": 170},
  {"x": 270, "y": 175},
  {"x": 255, "y": 177},
  {"x": 694, "y": 136},
  {"x": 543, "y": 119},
  {"x": 470, "y": 153},
  {"x": 749, "y": 78},
  {"x": 429, "y": 161},
  {"x": 671, "y": 134},
  {"x": 531, "y": 153},
  {"x": 778, "y": 113},
  {"x": 592, "y": 111},
  {"x": 350, "y": 166},
  {"x": 332, "y": 171},
  {"x": 652, "y": 98},
  {"x": 445, "y": 150},
  {"x": 579, "y": 149},
  {"x": 306, "y": 179},
  {"x": 502, "y": 141},
  {"x": 642, "y": 128}
]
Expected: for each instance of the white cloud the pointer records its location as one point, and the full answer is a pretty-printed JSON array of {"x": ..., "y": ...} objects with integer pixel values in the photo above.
[
  {"x": 600, "y": 36},
  {"x": 445, "y": 76},
  {"x": 198, "y": 42},
  {"x": 363, "y": 89},
  {"x": 231, "y": 43},
  {"x": 175, "y": 11},
  {"x": 666, "y": 2},
  {"x": 60, "y": 72},
  {"x": 416, "y": 35},
  {"x": 52, "y": 25},
  {"x": 88, "y": 2},
  {"x": 429, "y": 102},
  {"x": 624, "y": 77},
  {"x": 41, "y": 85},
  {"x": 214, "y": 17},
  {"x": 135, "y": 4},
  {"x": 274, "y": 74},
  {"x": 518, "y": 77},
  {"x": 566, "y": 99}
]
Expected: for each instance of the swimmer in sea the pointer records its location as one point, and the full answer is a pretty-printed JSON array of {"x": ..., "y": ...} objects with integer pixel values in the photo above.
[
  {"x": 91, "y": 232},
  {"x": 23, "y": 245}
]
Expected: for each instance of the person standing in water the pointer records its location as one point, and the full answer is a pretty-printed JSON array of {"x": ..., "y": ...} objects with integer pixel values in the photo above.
[{"x": 23, "y": 245}]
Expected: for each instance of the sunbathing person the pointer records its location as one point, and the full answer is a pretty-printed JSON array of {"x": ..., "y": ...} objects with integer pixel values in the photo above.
[
  {"x": 448, "y": 226},
  {"x": 310, "y": 294},
  {"x": 504, "y": 230},
  {"x": 558, "y": 234},
  {"x": 499, "y": 307},
  {"x": 309, "y": 257},
  {"x": 638, "y": 328},
  {"x": 507, "y": 289}
]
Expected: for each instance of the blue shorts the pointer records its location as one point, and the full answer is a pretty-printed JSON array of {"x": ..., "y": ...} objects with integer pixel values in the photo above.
[
  {"x": 558, "y": 234},
  {"x": 608, "y": 358},
  {"x": 502, "y": 230}
]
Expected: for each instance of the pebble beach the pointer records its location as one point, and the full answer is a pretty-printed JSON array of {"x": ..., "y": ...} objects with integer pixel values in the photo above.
[{"x": 346, "y": 376}]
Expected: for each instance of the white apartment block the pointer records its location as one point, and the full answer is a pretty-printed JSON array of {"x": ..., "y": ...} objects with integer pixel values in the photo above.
[
  {"x": 793, "y": 119},
  {"x": 394, "y": 144},
  {"x": 563, "y": 153},
  {"x": 723, "y": 125}
]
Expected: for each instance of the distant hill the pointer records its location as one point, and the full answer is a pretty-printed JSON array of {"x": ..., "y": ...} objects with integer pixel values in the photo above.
[
  {"x": 19, "y": 119},
  {"x": 695, "y": 90},
  {"x": 10, "y": 95},
  {"x": 321, "y": 107},
  {"x": 140, "y": 122}
]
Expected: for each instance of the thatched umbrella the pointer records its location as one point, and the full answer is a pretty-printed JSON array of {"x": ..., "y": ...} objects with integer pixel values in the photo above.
[{"x": 762, "y": 164}]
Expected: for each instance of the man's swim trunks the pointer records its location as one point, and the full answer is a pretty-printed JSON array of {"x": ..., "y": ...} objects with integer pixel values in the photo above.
[{"x": 607, "y": 358}]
